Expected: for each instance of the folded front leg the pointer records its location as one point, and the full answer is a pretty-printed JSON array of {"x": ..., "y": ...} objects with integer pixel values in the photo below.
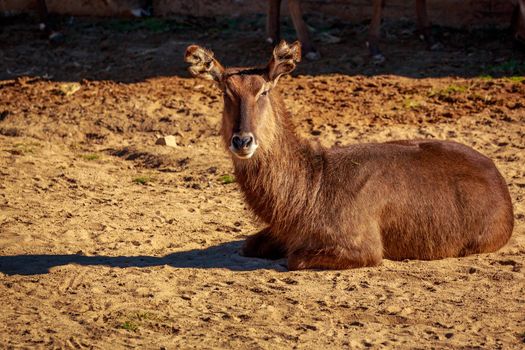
[
  {"x": 263, "y": 245},
  {"x": 333, "y": 259}
]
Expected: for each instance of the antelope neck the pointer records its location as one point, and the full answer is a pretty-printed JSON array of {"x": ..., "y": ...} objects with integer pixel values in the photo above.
[{"x": 280, "y": 180}]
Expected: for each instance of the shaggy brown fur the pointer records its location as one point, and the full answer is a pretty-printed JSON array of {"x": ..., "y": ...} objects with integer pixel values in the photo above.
[{"x": 350, "y": 207}]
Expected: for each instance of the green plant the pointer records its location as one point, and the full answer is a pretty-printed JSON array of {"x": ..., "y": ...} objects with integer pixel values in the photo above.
[
  {"x": 143, "y": 180},
  {"x": 91, "y": 156},
  {"x": 509, "y": 67},
  {"x": 447, "y": 92},
  {"x": 486, "y": 77},
  {"x": 141, "y": 316},
  {"x": 453, "y": 89},
  {"x": 227, "y": 179},
  {"x": 129, "y": 326},
  {"x": 24, "y": 148},
  {"x": 410, "y": 103},
  {"x": 137, "y": 319}
]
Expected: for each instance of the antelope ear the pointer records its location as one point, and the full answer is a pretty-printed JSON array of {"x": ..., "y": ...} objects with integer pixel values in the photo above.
[
  {"x": 202, "y": 64},
  {"x": 284, "y": 59}
]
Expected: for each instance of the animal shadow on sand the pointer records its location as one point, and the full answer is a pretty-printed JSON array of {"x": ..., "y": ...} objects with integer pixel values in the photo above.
[{"x": 225, "y": 256}]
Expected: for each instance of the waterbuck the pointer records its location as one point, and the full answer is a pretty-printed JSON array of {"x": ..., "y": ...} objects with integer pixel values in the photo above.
[{"x": 350, "y": 207}]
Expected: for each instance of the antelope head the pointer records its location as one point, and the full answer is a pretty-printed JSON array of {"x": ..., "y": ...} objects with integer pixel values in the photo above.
[{"x": 250, "y": 117}]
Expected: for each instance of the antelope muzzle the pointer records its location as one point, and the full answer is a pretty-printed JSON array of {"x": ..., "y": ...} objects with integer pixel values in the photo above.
[{"x": 243, "y": 145}]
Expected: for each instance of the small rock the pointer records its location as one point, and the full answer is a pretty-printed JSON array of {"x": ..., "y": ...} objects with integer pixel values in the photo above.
[
  {"x": 393, "y": 309},
  {"x": 406, "y": 311},
  {"x": 67, "y": 89},
  {"x": 378, "y": 59},
  {"x": 167, "y": 141},
  {"x": 139, "y": 12},
  {"x": 313, "y": 56}
]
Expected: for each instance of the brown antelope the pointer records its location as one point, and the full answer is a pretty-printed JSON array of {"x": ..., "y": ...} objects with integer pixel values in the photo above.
[
  {"x": 294, "y": 6},
  {"x": 350, "y": 207}
]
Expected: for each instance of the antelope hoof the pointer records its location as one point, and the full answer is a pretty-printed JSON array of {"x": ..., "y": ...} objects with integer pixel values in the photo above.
[
  {"x": 378, "y": 59},
  {"x": 140, "y": 12},
  {"x": 432, "y": 45},
  {"x": 56, "y": 38},
  {"x": 375, "y": 52},
  {"x": 426, "y": 35},
  {"x": 436, "y": 47},
  {"x": 313, "y": 55}
]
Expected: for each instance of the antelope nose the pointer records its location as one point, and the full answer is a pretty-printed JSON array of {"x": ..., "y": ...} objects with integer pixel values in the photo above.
[{"x": 242, "y": 141}]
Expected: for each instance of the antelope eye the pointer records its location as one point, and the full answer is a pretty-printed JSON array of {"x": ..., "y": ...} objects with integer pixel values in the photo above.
[{"x": 265, "y": 92}]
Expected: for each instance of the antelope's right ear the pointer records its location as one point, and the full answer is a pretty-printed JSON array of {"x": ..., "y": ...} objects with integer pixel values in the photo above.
[
  {"x": 203, "y": 65},
  {"x": 284, "y": 59}
]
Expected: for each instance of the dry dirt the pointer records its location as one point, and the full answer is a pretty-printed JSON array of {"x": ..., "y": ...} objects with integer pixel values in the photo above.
[{"x": 110, "y": 241}]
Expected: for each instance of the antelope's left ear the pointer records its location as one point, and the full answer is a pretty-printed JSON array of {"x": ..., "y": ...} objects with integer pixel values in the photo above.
[
  {"x": 203, "y": 64},
  {"x": 284, "y": 59}
]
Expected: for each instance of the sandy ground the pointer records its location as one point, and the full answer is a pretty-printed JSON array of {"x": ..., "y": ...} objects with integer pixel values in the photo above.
[{"x": 110, "y": 241}]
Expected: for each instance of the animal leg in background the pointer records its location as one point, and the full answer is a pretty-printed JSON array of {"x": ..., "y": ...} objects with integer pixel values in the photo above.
[
  {"x": 273, "y": 26},
  {"x": 375, "y": 31},
  {"x": 47, "y": 25},
  {"x": 424, "y": 26}
]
